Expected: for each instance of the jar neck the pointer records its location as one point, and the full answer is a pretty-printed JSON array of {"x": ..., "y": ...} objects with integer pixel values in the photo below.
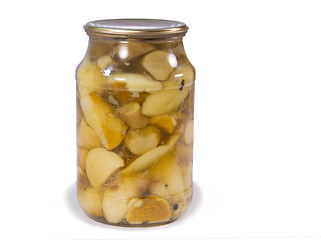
[
  {"x": 110, "y": 40},
  {"x": 112, "y": 46}
]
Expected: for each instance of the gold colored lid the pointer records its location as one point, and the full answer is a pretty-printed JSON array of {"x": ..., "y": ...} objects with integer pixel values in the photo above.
[{"x": 136, "y": 28}]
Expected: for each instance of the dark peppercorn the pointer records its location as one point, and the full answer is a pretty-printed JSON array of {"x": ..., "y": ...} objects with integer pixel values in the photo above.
[
  {"x": 175, "y": 206},
  {"x": 182, "y": 85}
]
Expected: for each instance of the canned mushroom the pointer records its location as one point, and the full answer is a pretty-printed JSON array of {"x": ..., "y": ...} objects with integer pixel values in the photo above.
[{"x": 135, "y": 96}]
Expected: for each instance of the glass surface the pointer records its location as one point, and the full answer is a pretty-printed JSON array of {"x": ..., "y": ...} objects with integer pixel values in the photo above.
[{"x": 135, "y": 131}]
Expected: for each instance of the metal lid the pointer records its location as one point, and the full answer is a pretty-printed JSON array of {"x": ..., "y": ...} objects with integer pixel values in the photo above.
[{"x": 136, "y": 28}]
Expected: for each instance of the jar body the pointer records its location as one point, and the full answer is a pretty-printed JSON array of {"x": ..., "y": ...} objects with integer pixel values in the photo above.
[{"x": 135, "y": 131}]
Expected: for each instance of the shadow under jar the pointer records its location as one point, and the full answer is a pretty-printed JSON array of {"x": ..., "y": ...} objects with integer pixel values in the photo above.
[{"x": 135, "y": 97}]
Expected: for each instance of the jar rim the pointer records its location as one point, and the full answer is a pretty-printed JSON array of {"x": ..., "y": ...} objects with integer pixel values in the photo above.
[{"x": 136, "y": 28}]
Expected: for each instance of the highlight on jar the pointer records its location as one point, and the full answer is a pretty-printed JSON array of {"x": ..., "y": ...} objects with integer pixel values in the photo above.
[{"x": 135, "y": 131}]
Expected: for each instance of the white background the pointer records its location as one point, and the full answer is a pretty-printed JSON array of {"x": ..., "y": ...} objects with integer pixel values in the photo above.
[{"x": 257, "y": 162}]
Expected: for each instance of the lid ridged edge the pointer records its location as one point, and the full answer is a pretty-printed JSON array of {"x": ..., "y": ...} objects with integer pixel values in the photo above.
[{"x": 95, "y": 31}]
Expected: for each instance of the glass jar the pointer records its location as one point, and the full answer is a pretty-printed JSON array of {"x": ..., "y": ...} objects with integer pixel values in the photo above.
[{"x": 135, "y": 97}]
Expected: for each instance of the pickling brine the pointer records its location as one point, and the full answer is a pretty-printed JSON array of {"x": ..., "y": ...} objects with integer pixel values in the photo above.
[{"x": 135, "y": 97}]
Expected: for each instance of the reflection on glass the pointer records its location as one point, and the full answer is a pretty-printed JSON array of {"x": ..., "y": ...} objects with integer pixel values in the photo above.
[{"x": 172, "y": 60}]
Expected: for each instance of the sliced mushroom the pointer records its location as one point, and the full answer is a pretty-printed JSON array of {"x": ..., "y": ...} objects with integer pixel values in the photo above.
[
  {"x": 164, "y": 101},
  {"x": 119, "y": 192},
  {"x": 115, "y": 209},
  {"x": 165, "y": 122},
  {"x": 149, "y": 210},
  {"x": 89, "y": 78},
  {"x": 179, "y": 203},
  {"x": 101, "y": 117},
  {"x": 104, "y": 61},
  {"x": 169, "y": 172},
  {"x": 100, "y": 164},
  {"x": 151, "y": 156},
  {"x": 159, "y": 64},
  {"x": 184, "y": 153},
  {"x": 132, "y": 115},
  {"x": 175, "y": 91},
  {"x": 82, "y": 155},
  {"x": 90, "y": 201},
  {"x": 188, "y": 132},
  {"x": 135, "y": 82},
  {"x": 158, "y": 187},
  {"x": 86, "y": 137},
  {"x": 139, "y": 141}
]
